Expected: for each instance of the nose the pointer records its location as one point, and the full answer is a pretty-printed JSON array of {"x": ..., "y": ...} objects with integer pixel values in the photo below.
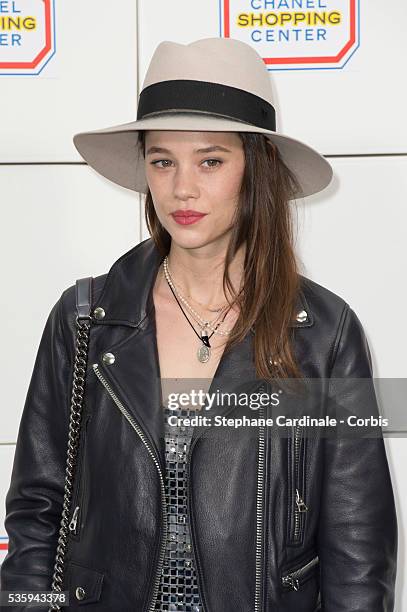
[{"x": 184, "y": 183}]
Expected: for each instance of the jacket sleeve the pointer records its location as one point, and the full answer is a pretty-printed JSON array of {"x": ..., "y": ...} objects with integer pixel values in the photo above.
[
  {"x": 357, "y": 536},
  {"x": 35, "y": 495}
]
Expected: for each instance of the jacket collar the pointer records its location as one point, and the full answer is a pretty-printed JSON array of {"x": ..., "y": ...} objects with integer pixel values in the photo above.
[{"x": 126, "y": 296}]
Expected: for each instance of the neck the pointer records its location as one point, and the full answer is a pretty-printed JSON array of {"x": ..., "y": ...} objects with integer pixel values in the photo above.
[{"x": 199, "y": 273}]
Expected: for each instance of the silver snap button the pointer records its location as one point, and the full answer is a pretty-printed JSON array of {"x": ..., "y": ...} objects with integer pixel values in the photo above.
[
  {"x": 99, "y": 313},
  {"x": 108, "y": 358},
  {"x": 80, "y": 593},
  {"x": 302, "y": 316}
]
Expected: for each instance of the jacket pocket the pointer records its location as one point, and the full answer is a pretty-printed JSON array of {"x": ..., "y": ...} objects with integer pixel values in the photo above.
[
  {"x": 297, "y": 507},
  {"x": 83, "y": 584},
  {"x": 294, "y": 579},
  {"x": 75, "y": 522}
]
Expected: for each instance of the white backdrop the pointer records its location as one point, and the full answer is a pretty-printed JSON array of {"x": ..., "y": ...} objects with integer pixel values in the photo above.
[{"x": 351, "y": 237}]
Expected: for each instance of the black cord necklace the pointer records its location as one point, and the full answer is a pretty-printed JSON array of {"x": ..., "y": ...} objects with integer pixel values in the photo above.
[{"x": 204, "y": 351}]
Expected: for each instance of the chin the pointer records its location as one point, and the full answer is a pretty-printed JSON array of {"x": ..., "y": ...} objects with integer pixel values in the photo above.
[{"x": 191, "y": 241}]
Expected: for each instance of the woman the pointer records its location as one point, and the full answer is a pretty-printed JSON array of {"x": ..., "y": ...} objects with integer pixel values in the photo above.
[{"x": 171, "y": 514}]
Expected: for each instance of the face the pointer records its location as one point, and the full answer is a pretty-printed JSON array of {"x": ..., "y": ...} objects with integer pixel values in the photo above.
[{"x": 199, "y": 172}]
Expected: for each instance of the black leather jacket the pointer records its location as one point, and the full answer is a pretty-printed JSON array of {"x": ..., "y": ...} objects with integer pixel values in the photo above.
[{"x": 249, "y": 533}]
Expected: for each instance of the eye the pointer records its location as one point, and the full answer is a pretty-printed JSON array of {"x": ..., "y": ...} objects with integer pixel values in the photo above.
[
  {"x": 218, "y": 161},
  {"x": 158, "y": 161}
]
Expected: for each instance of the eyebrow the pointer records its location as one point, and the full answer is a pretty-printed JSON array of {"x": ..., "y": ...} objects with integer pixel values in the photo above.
[{"x": 210, "y": 149}]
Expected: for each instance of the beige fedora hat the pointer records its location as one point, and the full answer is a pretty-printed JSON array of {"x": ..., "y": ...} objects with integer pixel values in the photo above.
[{"x": 211, "y": 84}]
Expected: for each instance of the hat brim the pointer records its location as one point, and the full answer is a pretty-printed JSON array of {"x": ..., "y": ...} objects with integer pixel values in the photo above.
[{"x": 114, "y": 153}]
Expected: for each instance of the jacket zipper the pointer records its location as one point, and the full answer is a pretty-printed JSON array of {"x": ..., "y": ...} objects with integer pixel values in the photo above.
[
  {"x": 259, "y": 512},
  {"x": 80, "y": 484},
  {"x": 143, "y": 438},
  {"x": 297, "y": 501},
  {"x": 292, "y": 580},
  {"x": 191, "y": 520}
]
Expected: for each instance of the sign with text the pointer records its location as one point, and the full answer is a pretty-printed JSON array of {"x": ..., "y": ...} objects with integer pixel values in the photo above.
[
  {"x": 295, "y": 34},
  {"x": 27, "y": 36}
]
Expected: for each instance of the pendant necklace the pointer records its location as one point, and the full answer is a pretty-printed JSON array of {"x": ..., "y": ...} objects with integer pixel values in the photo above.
[{"x": 204, "y": 350}]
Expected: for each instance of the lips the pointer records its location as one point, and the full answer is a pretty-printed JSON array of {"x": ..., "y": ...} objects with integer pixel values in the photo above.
[
  {"x": 187, "y": 217},
  {"x": 188, "y": 214}
]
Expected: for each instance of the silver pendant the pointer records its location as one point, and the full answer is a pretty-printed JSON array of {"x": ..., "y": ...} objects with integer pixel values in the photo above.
[{"x": 204, "y": 353}]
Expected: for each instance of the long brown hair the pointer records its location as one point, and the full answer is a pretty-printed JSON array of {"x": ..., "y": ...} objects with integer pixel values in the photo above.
[{"x": 271, "y": 282}]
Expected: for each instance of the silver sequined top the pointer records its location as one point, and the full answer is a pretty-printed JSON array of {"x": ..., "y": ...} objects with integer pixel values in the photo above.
[{"x": 178, "y": 589}]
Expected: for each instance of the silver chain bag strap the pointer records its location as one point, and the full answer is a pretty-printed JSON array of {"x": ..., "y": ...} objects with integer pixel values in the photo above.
[{"x": 83, "y": 289}]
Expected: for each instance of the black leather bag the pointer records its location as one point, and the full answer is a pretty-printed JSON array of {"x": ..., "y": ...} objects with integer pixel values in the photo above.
[{"x": 83, "y": 325}]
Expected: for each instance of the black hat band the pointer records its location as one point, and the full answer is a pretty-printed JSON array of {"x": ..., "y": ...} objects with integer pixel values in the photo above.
[{"x": 190, "y": 95}]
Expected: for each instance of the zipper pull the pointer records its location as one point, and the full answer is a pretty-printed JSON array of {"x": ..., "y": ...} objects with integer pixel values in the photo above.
[
  {"x": 291, "y": 582},
  {"x": 74, "y": 520},
  {"x": 302, "y": 507}
]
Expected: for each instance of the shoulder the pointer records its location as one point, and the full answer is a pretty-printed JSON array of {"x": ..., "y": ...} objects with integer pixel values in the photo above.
[
  {"x": 325, "y": 306},
  {"x": 68, "y": 297},
  {"x": 328, "y": 307},
  {"x": 64, "y": 310},
  {"x": 336, "y": 330},
  {"x": 126, "y": 277}
]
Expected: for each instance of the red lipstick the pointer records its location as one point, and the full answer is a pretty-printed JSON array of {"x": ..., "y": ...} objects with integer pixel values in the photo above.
[{"x": 186, "y": 217}]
